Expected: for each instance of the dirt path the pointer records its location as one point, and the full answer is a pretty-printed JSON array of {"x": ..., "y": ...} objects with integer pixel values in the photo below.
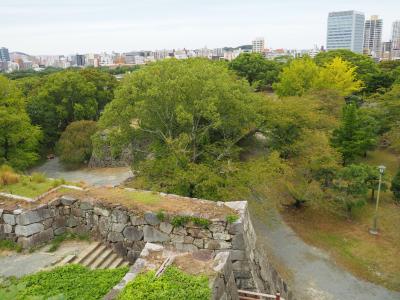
[
  {"x": 99, "y": 176},
  {"x": 313, "y": 274},
  {"x": 20, "y": 264}
]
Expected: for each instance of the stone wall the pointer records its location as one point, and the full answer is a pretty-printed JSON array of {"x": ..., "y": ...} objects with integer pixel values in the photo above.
[
  {"x": 127, "y": 232},
  {"x": 264, "y": 276}
]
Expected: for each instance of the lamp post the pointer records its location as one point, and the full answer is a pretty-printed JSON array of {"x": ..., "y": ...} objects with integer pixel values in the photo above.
[{"x": 374, "y": 229}]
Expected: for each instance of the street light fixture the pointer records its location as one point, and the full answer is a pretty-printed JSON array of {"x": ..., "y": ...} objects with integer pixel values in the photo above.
[{"x": 374, "y": 229}]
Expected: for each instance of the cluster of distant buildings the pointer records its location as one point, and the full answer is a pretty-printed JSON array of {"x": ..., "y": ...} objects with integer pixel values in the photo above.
[
  {"x": 346, "y": 30},
  {"x": 350, "y": 30}
]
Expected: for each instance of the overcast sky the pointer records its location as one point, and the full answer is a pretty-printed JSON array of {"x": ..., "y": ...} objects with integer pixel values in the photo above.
[{"x": 71, "y": 26}]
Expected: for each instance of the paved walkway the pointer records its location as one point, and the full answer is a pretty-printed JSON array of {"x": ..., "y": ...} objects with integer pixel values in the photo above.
[
  {"x": 96, "y": 176},
  {"x": 19, "y": 264},
  {"x": 314, "y": 274}
]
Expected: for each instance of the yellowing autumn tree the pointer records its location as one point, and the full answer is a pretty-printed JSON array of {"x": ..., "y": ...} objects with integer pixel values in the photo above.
[{"x": 338, "y": 75}]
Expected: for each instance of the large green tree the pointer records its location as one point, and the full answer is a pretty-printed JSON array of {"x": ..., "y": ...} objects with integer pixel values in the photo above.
[
  {"x": 259, "y": 72},
  {"x": 19, "y": 139},
  {"x": 356, "y": 135},
  {"x": 182, "y": 114},
  {"x": 62, "y": 98}
]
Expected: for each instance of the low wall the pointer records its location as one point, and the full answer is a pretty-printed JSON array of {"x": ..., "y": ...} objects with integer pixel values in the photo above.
[{"x": 127, "y": 231}]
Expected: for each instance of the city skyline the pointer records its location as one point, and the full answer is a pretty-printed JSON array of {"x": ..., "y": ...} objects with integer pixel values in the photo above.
[{"x": 45, "y": 27}]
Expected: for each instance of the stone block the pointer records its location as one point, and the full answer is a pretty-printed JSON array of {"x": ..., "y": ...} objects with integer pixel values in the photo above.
[
  {"x": 118, "y": 227},
  {"x": 47, "y": 223},
  {"x": 222, "y": 236},
  {"x": 238, "y": 255},
  {"x": 1, "y": 212},
  {"x": 177, "y": 238},
  {"x": 132, "y": 256},
  {"x": 119, "y": 248},
  {"x": 166, "y": 227},
  {"x": 180, "y": 230},
  {"x": 185, "y": 247},
  {"x": 104, "y": 225},
  {"x": 188, "y": 239},
  {"x": 131, "y": 233},
  {"x": 216, "y": 228},
  {"x": 60, "y": 231},
  {"x": 37, "y": 215},
  {"x": 6, "y": 228},
  {"x": 198, "y": 243},
  {"x": 9, "y": 219},
  {"x": 153, "y": 235},
  {"x": 215, "y": 245},
  {"x": 119, "y": 216},
  {"x": 238, "y": 242},
  {"x": 101, "y": 211},
  {"x": 235, "y": 228},
  {"x": 36, "y": 239},
  {"x": 72, "y": 221},
  {"x": 59, "y": 221},
  {"x": 115, "y": 237},
  {"x": 67, "y": 200},
  {"x": 199, "y": 233},
  {"x": 28, "y": 230},
  {"x": 151, "y": 218},
  {"x": 84, "y": 205},
  {"x": 77, "y": 212},
  {"x": 137, "y": 220}
]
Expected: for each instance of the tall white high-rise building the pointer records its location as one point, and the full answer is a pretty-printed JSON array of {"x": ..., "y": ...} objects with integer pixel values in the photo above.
[
  {"x": 258, "y": 45},
  {"x": 396, "y": 35},
  {"x": 345, "y": 31},
  {"x": 373, "y": 36}
]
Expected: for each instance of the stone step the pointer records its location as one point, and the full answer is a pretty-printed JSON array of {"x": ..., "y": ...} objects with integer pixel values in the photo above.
[
  {"x": 106, "y": 264},
  {"x": 82, "y": 256},
  {"x": 93, "y": 256},
  {"x": 66, "y": 260},
  {"x": 116, "y": 263},
  {"x": 101, "y": 258}
]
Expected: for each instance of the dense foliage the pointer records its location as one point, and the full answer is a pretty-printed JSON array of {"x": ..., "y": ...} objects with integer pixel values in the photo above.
[
  {"x": 75, "y": 146},
  {"x": 19, "y": 139},
  {"x": 173, "y": 284},
  {"x": 71, "y": 282},
  {"x": 258, "y": 71}
]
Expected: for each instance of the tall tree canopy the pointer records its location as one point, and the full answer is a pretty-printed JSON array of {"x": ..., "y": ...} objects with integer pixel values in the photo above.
[
  {"x": 194, "y": 109},
  {"x": 356, "y": 134},
  {"x": 62, "y": 98},
  {"x": 18, "y": 138},
  {"x": 303, "y": 76},
  {"x": 259, "y": 72}
]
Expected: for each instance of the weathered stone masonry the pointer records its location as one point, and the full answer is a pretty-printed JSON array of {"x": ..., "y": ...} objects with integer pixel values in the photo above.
[{"x": 127, "y": 231}]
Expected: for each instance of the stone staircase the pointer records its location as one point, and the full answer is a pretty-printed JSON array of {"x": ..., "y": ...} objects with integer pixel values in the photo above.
[{"x": 96, "y": 256}]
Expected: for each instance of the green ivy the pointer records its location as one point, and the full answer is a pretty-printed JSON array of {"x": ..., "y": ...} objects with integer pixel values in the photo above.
[{"x": 173, "y": 284}]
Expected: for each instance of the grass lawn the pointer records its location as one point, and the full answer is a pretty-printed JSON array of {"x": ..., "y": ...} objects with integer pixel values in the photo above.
[
  {"x": 373, "y": 258},
  {"x": 28, "y": 188}
]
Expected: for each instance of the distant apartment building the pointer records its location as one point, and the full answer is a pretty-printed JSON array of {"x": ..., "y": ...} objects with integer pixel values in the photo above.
[
  {"x": 4, "y": 54},
  {"x": 373, "y": 36},
  {"x": 396, "y": 35},
  {"x": 345, "y": 31},
  {"x": 386, "y": 52},
  {"x": 258, "y": 45}
]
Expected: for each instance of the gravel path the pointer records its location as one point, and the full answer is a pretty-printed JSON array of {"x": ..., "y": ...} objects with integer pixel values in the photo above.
[
  {"x": 314, "y": 274},
  {"x": 99, "y": 176},
  {"x": 20, "y": 264}
]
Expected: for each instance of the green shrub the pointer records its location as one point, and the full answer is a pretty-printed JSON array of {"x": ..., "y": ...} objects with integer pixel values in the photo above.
[
  {"x": 161, "y": 215},
  {"x": 183, "y": 220},
  {"x": 231, "y": 218},
  {"x": 201, "y": 222},
  {"x": 75, "y": 145},
  {"x": 173, "y": 284},
  {"x": 395, "y": 188},
  {"x": 71, "y": 282},
  {"x": 38, "y": 177}
]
